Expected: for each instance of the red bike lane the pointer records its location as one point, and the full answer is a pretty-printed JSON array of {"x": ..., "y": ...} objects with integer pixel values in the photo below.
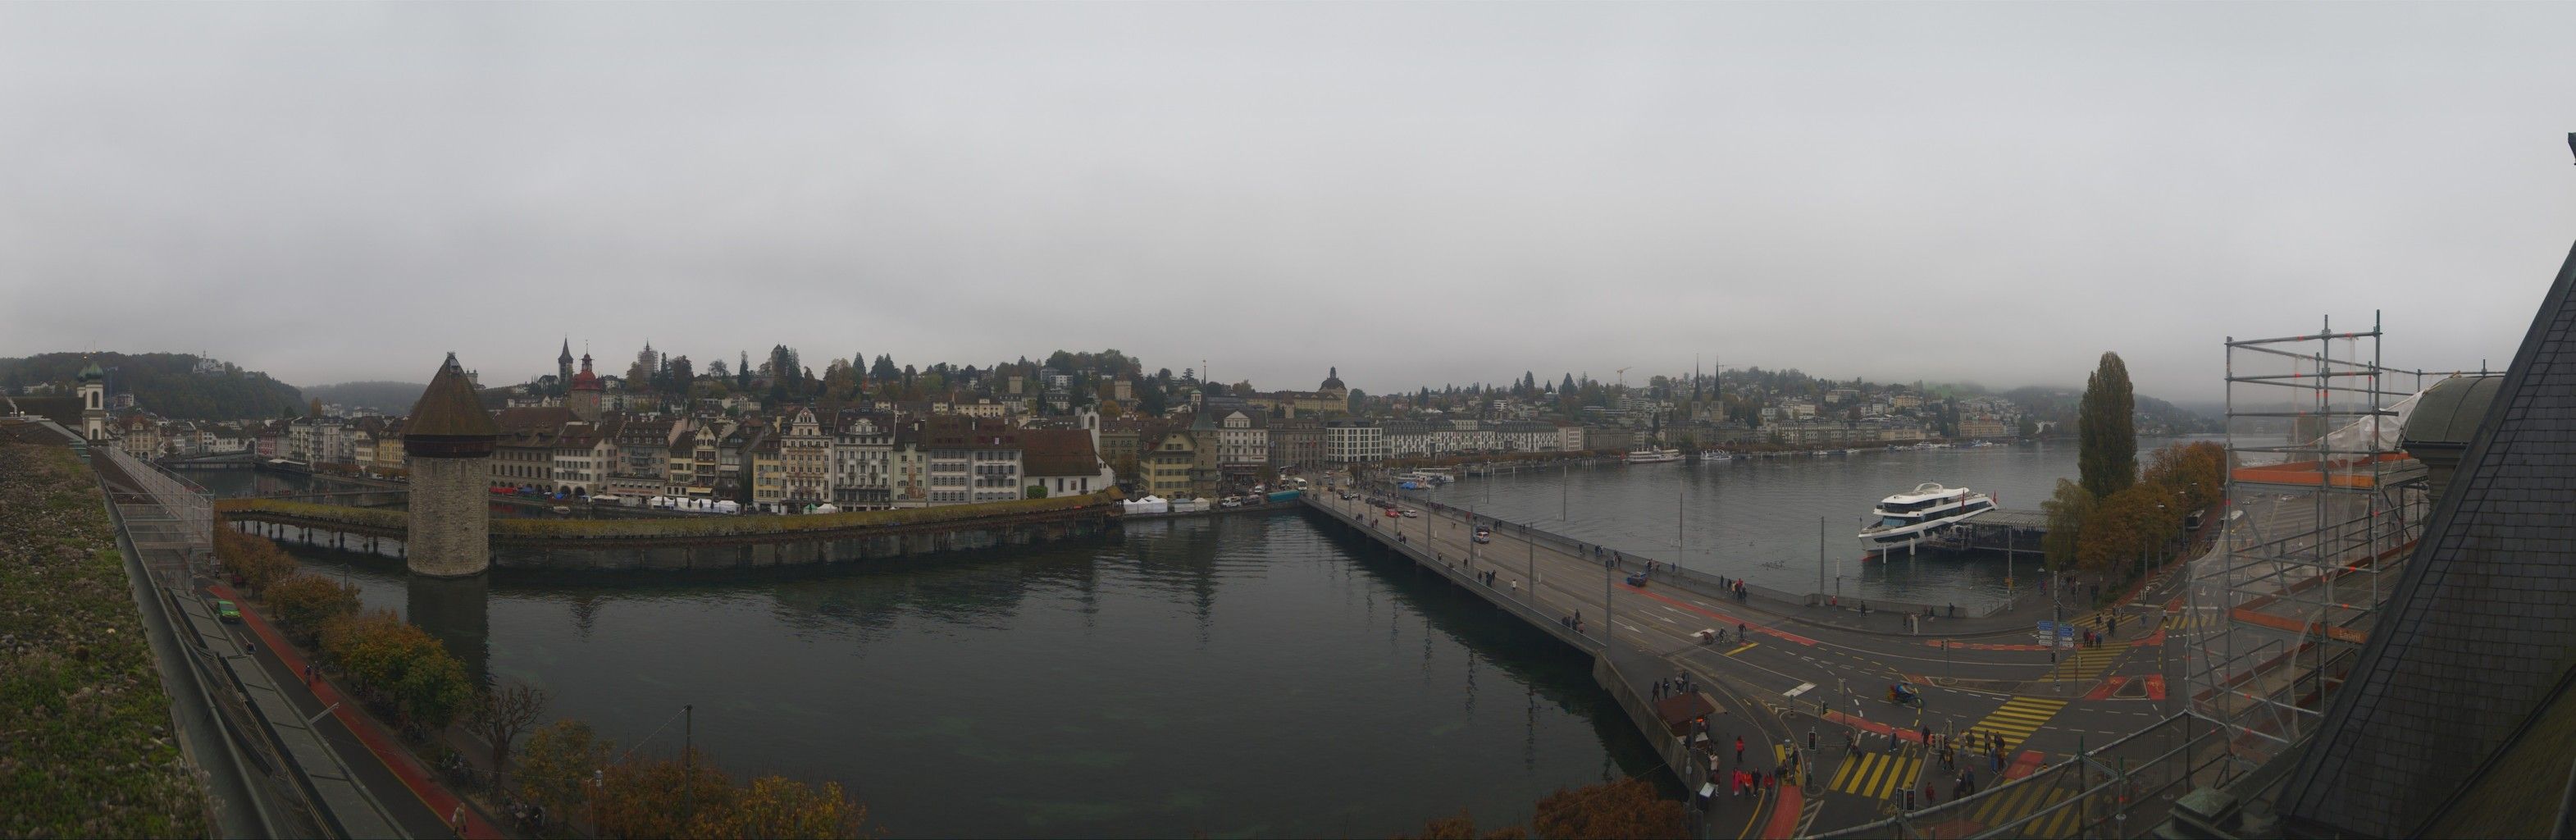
[{"x": 386, "y": 748}]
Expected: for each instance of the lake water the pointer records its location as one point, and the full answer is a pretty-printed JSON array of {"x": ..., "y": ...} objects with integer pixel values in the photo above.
[{"x": 1239, "y": 676}]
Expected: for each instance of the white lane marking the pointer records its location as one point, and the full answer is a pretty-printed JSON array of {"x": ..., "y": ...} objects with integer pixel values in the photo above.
[{"x": 1801, "y": 689}]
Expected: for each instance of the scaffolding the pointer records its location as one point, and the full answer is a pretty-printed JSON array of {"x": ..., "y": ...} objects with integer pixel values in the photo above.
[
  {"x": 169, "y": 519},
  {"x": 2322, "y": 510}
]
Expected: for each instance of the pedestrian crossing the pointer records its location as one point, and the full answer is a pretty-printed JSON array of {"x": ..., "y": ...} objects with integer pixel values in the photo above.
[
  {"x": 1878, "y": 775},
  {"x": 2016, "y": 720},
  {"x": 2195, "y": 619},
  {"x": 2083, "y": 664},
  {"x": 2023, "y": 800}
]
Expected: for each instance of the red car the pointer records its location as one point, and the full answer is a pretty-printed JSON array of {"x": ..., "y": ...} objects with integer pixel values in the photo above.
[{"x": 1392, "y": 513}]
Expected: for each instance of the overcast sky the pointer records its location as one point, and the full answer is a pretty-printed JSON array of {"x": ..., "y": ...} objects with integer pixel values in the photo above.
[{"x": 1416, "y": 193}]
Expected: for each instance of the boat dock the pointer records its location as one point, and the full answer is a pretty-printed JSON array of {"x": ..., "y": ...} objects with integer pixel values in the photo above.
[{"x": 2014, "y": 533}]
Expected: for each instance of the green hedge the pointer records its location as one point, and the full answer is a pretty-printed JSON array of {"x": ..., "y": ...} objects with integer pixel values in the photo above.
[
  {"x": 684, "y": 527},
  {"x": 85, "y": 741}
]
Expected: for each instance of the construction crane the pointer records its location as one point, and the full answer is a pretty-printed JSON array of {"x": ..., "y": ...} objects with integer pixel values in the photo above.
[{"x": 1623, "y": 377}]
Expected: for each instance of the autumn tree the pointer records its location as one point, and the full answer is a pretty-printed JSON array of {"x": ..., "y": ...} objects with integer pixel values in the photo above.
[
  {"x": 2068, "y": 509},
  {"x": 499, "y": 714},
  {"x": 2195, "y": 473},
  {"x": 304, "y": 602},
  {"x": 257, "y": 560},
  {"x": 2108, "y": 454},
  {"x": 1463, "y": 827},
  {"x": 401, "y": 665},
  {"x": 556, "y": 768},
  {"x": 660, "y": 797},
  {"x": 1622, "y": 809},
  {"x": 776, "y": 806}
]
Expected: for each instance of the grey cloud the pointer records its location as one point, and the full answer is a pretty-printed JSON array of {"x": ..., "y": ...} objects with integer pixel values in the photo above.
[{"x": 1416, "y": 193}]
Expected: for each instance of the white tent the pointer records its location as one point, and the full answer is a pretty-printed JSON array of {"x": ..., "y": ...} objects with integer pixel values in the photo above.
[
  {"x": 728, "y": 506},
  {"x": 1149, "y": 504},
  {"x": 827, "y": 507}
]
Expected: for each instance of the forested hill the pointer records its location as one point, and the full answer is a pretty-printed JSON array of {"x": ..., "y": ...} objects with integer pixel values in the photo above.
[
  {"x": 387, "y": 397},
  {"x": 168, "y": 384}
]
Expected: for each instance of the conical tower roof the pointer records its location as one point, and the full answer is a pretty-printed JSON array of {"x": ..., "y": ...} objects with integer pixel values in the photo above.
[{"x": 449, "y": 409}]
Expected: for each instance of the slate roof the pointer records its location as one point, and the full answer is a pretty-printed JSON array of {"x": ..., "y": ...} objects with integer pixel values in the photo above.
[
  {"x": 2480, "y": 631},
  {"x": 1057, "y": 452},
  {"x": 449, "y": 408}
]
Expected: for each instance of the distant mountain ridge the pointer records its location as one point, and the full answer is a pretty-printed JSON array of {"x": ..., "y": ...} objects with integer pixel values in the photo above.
[
  {"x": 387, "y": 397},
  {"x": 180, "y": 386}
]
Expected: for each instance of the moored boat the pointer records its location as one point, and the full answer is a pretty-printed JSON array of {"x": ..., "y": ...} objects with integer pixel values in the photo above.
[{"x": 1907, "y": 518}]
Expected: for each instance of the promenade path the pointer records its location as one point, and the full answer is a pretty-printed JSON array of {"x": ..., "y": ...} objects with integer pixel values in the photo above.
[{"x": 1789, "y": 679}]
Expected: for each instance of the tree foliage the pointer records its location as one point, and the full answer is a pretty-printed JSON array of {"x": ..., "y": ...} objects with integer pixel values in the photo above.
[
  {"x": 555, "y": 770},
  {"x": 2108, "y": 459},
  {"x": 689, "y": 797},
  {"x": 1622, "y": 809},
  {"x": 305, "y": 602},
  {"x": 2067, "y": 510},
  {"x": 401, "y": 667},
  {"x": 166, "y": 383},
  {"x": 2196, "y": 472},
  {"x": 1463, "y": 827},
  {"x": 257, "y": 560},
  {"x": 2129, "y": 525}
]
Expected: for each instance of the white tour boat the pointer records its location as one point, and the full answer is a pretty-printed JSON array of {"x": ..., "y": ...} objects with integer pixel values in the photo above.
[
  {"x": 1906, "y": 518},
  {"x": 1654, "y": 456}
]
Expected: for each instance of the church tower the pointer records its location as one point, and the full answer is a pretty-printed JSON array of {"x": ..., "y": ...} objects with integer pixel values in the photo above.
[
  {"x": 563, "y": 365},
  {"x": 450, "y": 441},
  {"x": 585, "y": 394},
  {"x": 93, "y": 395}
]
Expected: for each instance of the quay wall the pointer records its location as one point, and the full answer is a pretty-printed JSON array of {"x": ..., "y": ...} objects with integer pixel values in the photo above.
[
  {"x": 732, "y": 542},
  {"x": 1674, "y": 752}
]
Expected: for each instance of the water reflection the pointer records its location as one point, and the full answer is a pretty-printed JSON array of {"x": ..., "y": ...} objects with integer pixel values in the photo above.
[{"x": 1219, "y": 675}]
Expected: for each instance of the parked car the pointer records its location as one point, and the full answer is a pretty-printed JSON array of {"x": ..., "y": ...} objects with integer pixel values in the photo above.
[{"x": 226, "y": 612}]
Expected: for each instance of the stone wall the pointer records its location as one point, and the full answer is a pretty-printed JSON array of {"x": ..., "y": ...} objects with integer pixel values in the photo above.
[{"x": 450, "y": 525}]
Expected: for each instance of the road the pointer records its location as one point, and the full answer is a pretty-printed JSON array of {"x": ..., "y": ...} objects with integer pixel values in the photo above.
[{"x": 2041, "y": 704}]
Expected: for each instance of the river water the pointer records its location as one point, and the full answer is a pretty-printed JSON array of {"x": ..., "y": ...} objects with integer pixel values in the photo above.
[
  {"x": 1247, "y": 675},
  {"x": 1250, "y": 675}
]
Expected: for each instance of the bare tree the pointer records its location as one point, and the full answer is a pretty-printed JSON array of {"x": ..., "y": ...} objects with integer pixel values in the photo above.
[{"x": 500, "y": 715}]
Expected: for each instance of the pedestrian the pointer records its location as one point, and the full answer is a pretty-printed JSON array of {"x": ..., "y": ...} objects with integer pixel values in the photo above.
[
  {"x": 1739, "y": 749},
  {"x": 1739, "y": 631},
  {"x": 456, "y": 819},
  {"x": 1893, "y": 741},
  {"x": 308, "y": 674},
  {"x": 1931, "y": 795},
  {"x": 1927, "y": 734},
  {"x": 1516, "y": 586}
]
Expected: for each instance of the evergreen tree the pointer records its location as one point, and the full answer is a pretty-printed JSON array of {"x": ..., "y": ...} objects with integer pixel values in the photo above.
[
  {"x": 742, "y": 372},
  {"x": 2108, "y": 456}
]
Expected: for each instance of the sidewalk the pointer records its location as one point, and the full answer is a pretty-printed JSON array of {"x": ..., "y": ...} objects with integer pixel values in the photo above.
[{"x": 430, "y": 802}]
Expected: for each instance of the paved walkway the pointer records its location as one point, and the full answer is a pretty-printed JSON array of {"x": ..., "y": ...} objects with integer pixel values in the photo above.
[{"x": 405, "y": 787}]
